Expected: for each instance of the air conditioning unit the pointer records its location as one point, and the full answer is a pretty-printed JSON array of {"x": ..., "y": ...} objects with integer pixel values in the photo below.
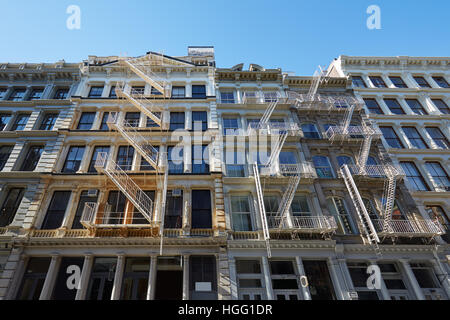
[
  {"x": 177, "y": 193},
  {"x": 93, "y": 193}
]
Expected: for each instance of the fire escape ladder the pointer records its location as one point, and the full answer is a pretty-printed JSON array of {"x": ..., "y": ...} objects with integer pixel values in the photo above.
[
  {"x": 129, "y": 188},
  {"x": 389, "y": 196},
  {"x": 364, "y": 152},
  {"x": 275, "y": 152},
  {"x": 268, "y": 112},
  {"x": 288, "y": 197},
  {"x": 261, "y": 208},
  {"x": 365, "y": 224},
  {"x": 320, "y": 76},
  {"x": 348, "y": 114},
  {"x": 139, "y": 100}
]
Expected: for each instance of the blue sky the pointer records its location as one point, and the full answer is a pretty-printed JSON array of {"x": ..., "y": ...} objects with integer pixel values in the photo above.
[{"x": 295, "y": 35}]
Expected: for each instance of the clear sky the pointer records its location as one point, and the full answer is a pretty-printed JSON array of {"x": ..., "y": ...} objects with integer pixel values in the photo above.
[{"x": 295, "y": 35}]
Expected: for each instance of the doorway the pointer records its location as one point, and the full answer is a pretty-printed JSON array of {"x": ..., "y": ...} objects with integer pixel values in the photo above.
[
  {"x": 320, "y": 285},
  {"x": 169, "y": 279}
]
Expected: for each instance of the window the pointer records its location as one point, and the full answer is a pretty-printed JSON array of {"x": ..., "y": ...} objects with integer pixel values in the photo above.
[
  {"x": 438, "y": 137},
  {"x": 102, "y": 279},
  {"x": 226, "y": 97},
  {"x": 436, "y": 212},
  {"x": 201, "y": 209},
  {"x": 178, "y": 92},
  {"x": 240, "y": 210},
  {"x": 36, "y": 94},
  {"x": 95, "y": 92},
  {"x": 323, "y": 167},
  {"x": 271, "y": 207},
  {"x": 391, "y": 137},
  {"x": 310, "y": 131},
  {"x": 135, "y": 279},
  {"x": 199, "y": 91},
  {"x": 440, "y": 177},
  {"x": 155, "y": 92},
  {"x": 4, "y": 119},
  {"x": 17, "y": 95},
  {"x": 56, "y": 210},
  {"x": 337, "y": 208},
  {"x": 174, "y": 210},
  {"x": 250, "y": 279},
  {"x": 97, "y": 150},
  {"x": 394, "y": 106},
  {"x": 288, "y": 157},
  {"x": 424, "y": 275},
  {"x": 441, "y": 82},
  {"x": 358, "y": 82},
  {"x": 370, "y": 208},
  {"x": 115, "y": 208},
  {"x": 33, "y": 279},
  {"x": 177, "y": 120},
  {"x": 300, "y": 206},
  {"x": 3, "y": 93},
  {"x": 230, "y": 126},
  {"x": 397, "y": 213},
  {"x": 5, "y": 151},
  {"x": 398, "y": 82},
  {"x": 73, "y": 159},
  {"x": 145, "y": 166},
  {"x": 152, "y": 124},
  {"x": 372, "y": 106},
  {"x": 104, "y": 124},
  {"x": 32, "y": 158},
  {"x": 61, "y": 94},
  {"x": 21, "y": 122},
  {"x": 200, "y": 117},
  {"x": 413, "y": 176},
  {"x": 416, "y": 106},
  {"x": 235, "y": 161},
  {"x": 86, "y": 121},
  {"x": 48, "y": 121},
  {"x": 112, "y": 93},
  {"x": 138, "y": 90},
  {"x": 200, "y": 159},
  {"x": 138, "y": 218},
  {"x": 62, "y": 291},
  {"x": 422, "y": 82},
  {"x": 202, "y": 269},
  {"x": 270, "y": 96},
  {"x": 10, "y": 206},
  {"x": 414, "y": 137},
  {"x": 344, "y": 160},
  {"x": 132, "y": 119},
  {"x": 175, "y": 160},
  {"x": 441, "y": 105},
  {"x": 84, "y": 198},
  {"x": 359, "y": 277},
  {"x": 284, "y": 280},
  {"x": 377, "y": 81},
  {"x": 124, "y": 158}
]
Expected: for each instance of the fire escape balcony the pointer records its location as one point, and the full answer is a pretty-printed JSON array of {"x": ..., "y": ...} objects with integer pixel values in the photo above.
[
  {"x": 342, "y": 133},
  {"x": 383, "y": 171},
  {"x": 303, "y": 224},
  {"x": 273, "y": 128},
  {"x": 408, "y": 228}
]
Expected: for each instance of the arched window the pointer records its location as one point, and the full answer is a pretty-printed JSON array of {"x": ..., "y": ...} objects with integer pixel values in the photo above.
[{"x": 344, "y": 160}]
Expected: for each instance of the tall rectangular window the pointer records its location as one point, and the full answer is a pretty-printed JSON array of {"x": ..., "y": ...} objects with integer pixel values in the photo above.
[
  {"x": 145, "y": 165},
  {"x": 115, "y": 208},
  {"x": 230, "y": 126},
  {"x": 73, "y": 160},
  {"x": 377, "y": 81},
  {"x": 33, "y": 279},
  {"x": 391, "y": 137},
  {"x": 3, "y": 92},
  {"x": 104, "y": 124},
  {"x": 96, "y": 92},
  {"x": 202, "y": 278},
  {"x": 175, "y": 160},
  {"x": 36, "y": 94},
  {"x": 86, "y": 121},
  {"x": 438, "y": 174},
  {"x": 21, "y": 122},
  {"x": 17, "y": 95},
  {"x": 200, "y": 159},
  {"x": 56, "y": 210},
  {"x": 5, "y": 151},
  {"x": 199, "y": 91},
  {"x": 416, "y": 106},
  {"x": 414, "y": 137},
  {"x": 413, "y": 176},
  {"x": 133, "y": 118},
  {"x": 438, "y": 137},
  {"x": 441, "y": 82},
  {"x": 124, "y": 158},
  {"x": 177, "y": 120},
  {"x": 112, "y": 92},
  {"x": 235, "y": 161},
  {"x": 32, "y": 158},
  {"x": 422, "y": 82},
  {"x": 441, "y": 105},
  {"x": 84, "y": 198},
  {"x": 174, "y": 210},
  {"x": 4, "y": 119},
  {"x": 178, "y": 92},
  {"x": 135, "y": 279},
  {"x": 226, "y": 97},
  {"x": 97, "y": 150},
  {"x": 101, "y": 282},
  {"x": 201, "y": 209},
  {"x": 300, "y": 206},
  {"x": 10, "y": 206},
  {"x": 373, "y": 106},
  {"x": 358, "y": 82},
  {"x": 323, "y": 167},
  {"x": 240, "y": 210},
  {"x": 337, "y": 208},
  {"x": 200, "y": 120},
  {"x": 398, "y": 82},
  {"x": 48, "y": 121},
  {"x": 61, "y": 94},
  {"x": 394, "y": 106},
  {"x": 152, "y": 124}
]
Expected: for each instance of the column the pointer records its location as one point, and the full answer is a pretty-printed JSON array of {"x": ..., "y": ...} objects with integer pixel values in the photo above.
[
  {"x": 85, "y": 275},
  {"x": 50, "y": 278},
  {"x": 412, "y": 279},
  {"x": 405, "y": 106},
  {"x": 267, "y": 278},
  {"x": 428, "y": 105},
  {"x": 408, "y": 79},
  {"x": 301, "y": 272},
  {"x": 387, "y": 80},
  {"x": 421, "y": 166},
  {"x": 431, "y": 81},
  {"x": 47, "y": 94},
  {"x": 27, "y": 94},
  {"x": 8, "y": 92},
  {"x": 233, "y": 278},
  {"x": 188, "y": 89},
  {"x": 401, "y": 135},
  {"x": 106, "y": 90},
  {"x": 346, "y": 275},
  {"x": 367, "y": 81},
  {"x": 186, "y": 277},
  {"x": 426, "y": 136},
  {"x": 383, "y": 105},
  {"x": 238, "y": 95},
  {"x": 188, "y": 120},
  {"x": 118, "y": 277},
  {"x": 383, "y": 290},
  {"x": 152, "y": 278},
  {"x": 335, "y": 277},
  {"x": 440, "y": 271},
  {"x": 84, "y": 166},
  {"x": 97, "y": 121}
]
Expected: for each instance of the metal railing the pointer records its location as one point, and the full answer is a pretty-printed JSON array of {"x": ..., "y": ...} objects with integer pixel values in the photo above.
[
  {"x": 377, "y": 171},
  {"x": 304, "y": 169},
  {"x": 352, "y": 132},
  {"x": 307, "y": 223},
  {"x": 322, "y": 102},
  {"x": 425, "y": 227},
  {"x": 273, "y": 128},
  {"x": 143, "y": 70},
  {"x": 89, "y": 214}
]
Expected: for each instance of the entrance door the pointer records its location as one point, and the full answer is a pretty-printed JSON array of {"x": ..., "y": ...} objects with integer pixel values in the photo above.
[
  {"x": 320, "y": 285},
  {"x": 169, "y": 279}
]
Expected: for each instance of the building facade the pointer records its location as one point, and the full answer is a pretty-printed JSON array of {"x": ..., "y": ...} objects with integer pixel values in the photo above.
[{"x": 163, "y": 177}]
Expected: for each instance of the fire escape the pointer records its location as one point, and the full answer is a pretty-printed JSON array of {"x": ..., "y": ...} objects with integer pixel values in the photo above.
[{"x": 158, "y": 160}]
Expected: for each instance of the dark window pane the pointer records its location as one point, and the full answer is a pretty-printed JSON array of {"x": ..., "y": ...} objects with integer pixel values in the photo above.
[
  {"x": 398, "y": 82},
  {"x": 133, "y": 118},
  {"x": 96, "y": 92},
  {"x": 199, "y": 120},
  {"x": 438, "y": 137},
  {"x": 21, "y": 122},
  {"x": 175, "y": 160},
  {"x": 84, "y": 198},
  {"x": 282, "y": 267},
  {"x": 56, "y": 210},
  {"x": 414, "y": 137},
  {"x": 73, "y": 159},
  {"x": 284, "y": 284},
  {"x": 177, "y": 120},
  {"x": 61, "y": 94},
  {"x": 61, "y": 291},
  {"x": 422, "y": 82},
  {"x": 36, "y": 94},
  {"x": 248, "y": 266},
  {"x": 200, "y": 159},
  {"x": 125, "y": 156},
  {"x": 413, "y": 176},
  {"x": 86, "y": 121},
  {"x": 174, "y": 209},
  {"x": 4, "y": 119},
  {"x": 394, "y": 106},
  {"x": 199, "y": 91},
  {"x": 441, "y": 105},
  {"x": 377, "y": 81},
  {"x": 358, "y": 82},
  {"x": 5, "y": 151},
  {"x": 391, "y": 137},
  {"x": 17, "y": 95},
  {"x": 48, "y": 121},
  {"x": 441, "y": 82},
  {"x": 415, "y": 106},
  {"x": 201, "y": 209},
  {"x": 97, "y": 150},
  {"x": 372, "y": 106},
  {"x": 32, "y": 158},
  {"x": 10, "y": 206},
  {"x": 33, "y": 279}
]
